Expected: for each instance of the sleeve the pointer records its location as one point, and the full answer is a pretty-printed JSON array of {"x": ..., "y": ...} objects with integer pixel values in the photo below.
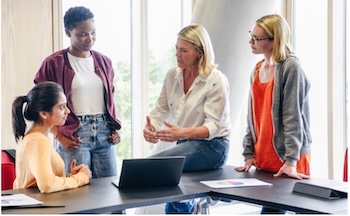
[
  {"x": 248, "y": 140},
  {"x": 41, "y": 164},
  {"x": 294, "y": 94},
  {"x": 216, "y": 105},
  {"x": 45, "y": 73}
]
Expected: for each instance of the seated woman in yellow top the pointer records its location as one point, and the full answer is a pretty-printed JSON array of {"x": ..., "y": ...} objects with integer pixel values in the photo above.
[{"x": 37, "y": 162}]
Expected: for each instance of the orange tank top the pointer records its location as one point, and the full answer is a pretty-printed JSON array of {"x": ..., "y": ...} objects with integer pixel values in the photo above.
[{"x": 264, "y": 151}]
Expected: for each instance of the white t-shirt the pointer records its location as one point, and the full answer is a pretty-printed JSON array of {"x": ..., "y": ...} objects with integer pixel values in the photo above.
[{"x": 87, "y": 87}]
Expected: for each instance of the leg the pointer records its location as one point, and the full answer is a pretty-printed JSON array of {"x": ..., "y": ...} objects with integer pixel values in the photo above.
[
  {"x": 200, "y": 154},
  {"x": 186, "y": 207},
  {"x": 103, "y": 159},
  {"x": 82, "y": 153}
]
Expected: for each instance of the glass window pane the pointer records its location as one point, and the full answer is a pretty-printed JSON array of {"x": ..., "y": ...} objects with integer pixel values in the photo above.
[
  {"x": 310, "y": 44},
  {"x": 163, "y": 26}
]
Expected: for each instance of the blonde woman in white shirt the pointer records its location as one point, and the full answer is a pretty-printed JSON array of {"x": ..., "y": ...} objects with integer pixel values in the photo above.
[{"x": 195, "y": 95}]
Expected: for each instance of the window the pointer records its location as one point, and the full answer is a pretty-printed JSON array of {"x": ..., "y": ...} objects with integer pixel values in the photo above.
[
  {"x": 319, "y": 41},
  {"x": 140, "y": 39}
]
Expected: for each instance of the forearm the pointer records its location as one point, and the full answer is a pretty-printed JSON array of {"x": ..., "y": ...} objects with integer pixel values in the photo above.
[{"x": 201, "y": 132}]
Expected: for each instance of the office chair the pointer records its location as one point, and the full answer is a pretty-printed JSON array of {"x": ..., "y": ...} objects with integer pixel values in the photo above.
[
  {"x": 8, "y": 170},
  {"x": 345, "y": 172}
]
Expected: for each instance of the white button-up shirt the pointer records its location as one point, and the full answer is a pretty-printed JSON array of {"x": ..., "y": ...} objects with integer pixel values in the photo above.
[{"x": 205, "y": 104}]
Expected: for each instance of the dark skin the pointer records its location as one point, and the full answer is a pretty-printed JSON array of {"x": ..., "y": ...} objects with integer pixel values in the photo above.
[{"x": 82, "y": 38}]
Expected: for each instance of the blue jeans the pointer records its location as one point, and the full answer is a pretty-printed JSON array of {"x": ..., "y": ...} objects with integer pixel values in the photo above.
[
  {"x": 96, "y": 150},
  {"x": 200, "y": 155}
]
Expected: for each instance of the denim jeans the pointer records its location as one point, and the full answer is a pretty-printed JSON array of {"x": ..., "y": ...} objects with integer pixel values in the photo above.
[
  {"x": 200, "y": 155},
  {"x": 96, "y": 150}
]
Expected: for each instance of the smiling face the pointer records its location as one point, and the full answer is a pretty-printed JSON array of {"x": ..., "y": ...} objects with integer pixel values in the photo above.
[
  {"x": 82, "y": 38},
  {"x": 259, "y": 41},
  {"x": 186, "y": 54}
]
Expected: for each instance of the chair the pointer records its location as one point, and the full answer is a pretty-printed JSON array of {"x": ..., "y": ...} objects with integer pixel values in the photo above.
[
  {"x": 345, "y": 172},
  {"x": 8, "y": 170}
]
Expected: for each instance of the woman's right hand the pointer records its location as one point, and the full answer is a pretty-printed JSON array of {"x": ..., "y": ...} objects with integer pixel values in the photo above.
[
  {"x": 68, "y": 143},
  {"x": 247, "y": 164},
  {"x": 149, "y": 131}
]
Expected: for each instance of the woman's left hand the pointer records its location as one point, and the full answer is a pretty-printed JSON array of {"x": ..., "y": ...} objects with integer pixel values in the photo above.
[
  {"x": 291, "y": 171},
  {"x": 73, "y": 168},
  {"x": 171, "y": 134},
  {"x": 115, "y": 137}
]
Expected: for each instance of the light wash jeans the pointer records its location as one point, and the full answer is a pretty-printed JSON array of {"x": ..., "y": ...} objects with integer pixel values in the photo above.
[
  {"x": 96, "y": 150},
  {"x": 200, "y": 155}
]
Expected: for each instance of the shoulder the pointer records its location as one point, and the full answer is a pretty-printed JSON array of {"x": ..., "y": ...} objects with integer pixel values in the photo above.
[
  {"x": 56, "y": 55},
  {"x": 291, "y": 61},
  {"x": 97, "y": 55},
  {"x": 291, "y": 66},
  {"x": 291, "y": 70},
  {"x": 217, "y": 75},
  {"x": 36, "y": 139},
  {"x": 34, "y": 145},
  {"x": 173, "y": 73}
]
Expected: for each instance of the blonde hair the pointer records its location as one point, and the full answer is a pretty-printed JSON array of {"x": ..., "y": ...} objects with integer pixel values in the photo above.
[
  {"x": 277, "y": 28},
  {"x": 199, "y": 37}
]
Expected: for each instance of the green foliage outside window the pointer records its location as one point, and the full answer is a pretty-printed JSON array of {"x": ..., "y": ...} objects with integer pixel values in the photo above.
[{"x": 122, "y": 83}]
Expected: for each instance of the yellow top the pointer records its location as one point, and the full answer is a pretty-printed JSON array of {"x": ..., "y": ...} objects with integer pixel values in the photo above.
[{"x": 38, "y": 164}]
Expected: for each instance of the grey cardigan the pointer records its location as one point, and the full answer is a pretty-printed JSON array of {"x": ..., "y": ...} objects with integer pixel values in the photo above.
[{"x": 290, "y": 113}]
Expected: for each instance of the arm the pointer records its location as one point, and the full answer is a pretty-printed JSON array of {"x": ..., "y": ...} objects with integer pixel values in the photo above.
[
  {"x": 69, "y": 143},
  {"x": 249, "y": 138},
  {"x": 217, "y": 106},
  {"x": 294, "y": 93},
  {"x": 44, "y": 161}
]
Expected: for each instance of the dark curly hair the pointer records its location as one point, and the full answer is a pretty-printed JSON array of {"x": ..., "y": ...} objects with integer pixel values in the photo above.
[{"x": 75, "y": 15}]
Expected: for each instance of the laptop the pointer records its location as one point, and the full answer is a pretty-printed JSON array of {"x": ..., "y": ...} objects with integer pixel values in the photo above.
[{"x": 150, "y": 172}]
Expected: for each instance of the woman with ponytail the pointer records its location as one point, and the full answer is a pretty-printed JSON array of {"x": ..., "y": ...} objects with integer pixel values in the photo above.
[{"x": 37, "y": 162}]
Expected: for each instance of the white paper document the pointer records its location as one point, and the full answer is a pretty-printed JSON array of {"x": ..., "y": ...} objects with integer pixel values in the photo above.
[
  {"x": 229, "y": 183},
  {"x": 18, "y": 200}
]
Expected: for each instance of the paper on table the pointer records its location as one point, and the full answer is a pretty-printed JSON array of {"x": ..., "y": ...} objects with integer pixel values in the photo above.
[
  {"x": 228, "y": 183},
  {"x": 18, "y": 200}
]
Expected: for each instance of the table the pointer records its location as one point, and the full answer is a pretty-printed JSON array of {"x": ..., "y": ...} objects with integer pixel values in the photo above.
[
  {"x": 279, "y": 195},
  {"x": 101, "y": 196}
]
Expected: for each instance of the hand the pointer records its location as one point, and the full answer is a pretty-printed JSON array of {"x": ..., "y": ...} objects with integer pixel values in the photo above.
[
  {"x": 149, "y": 132},
  {"x": 68, "y": 143},
  {"x": 86, "y": 170},
  {"x": 75, "y": 169},
  {"x": 291, "y": 171},
  {"x": 171, "y": 134},
  {"x": 248, "y": 163},
  {"x": 114, "y": 137}
]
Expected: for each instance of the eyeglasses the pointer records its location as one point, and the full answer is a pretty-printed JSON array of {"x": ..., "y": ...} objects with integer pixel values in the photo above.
[{"x": 255, "y": 39}]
